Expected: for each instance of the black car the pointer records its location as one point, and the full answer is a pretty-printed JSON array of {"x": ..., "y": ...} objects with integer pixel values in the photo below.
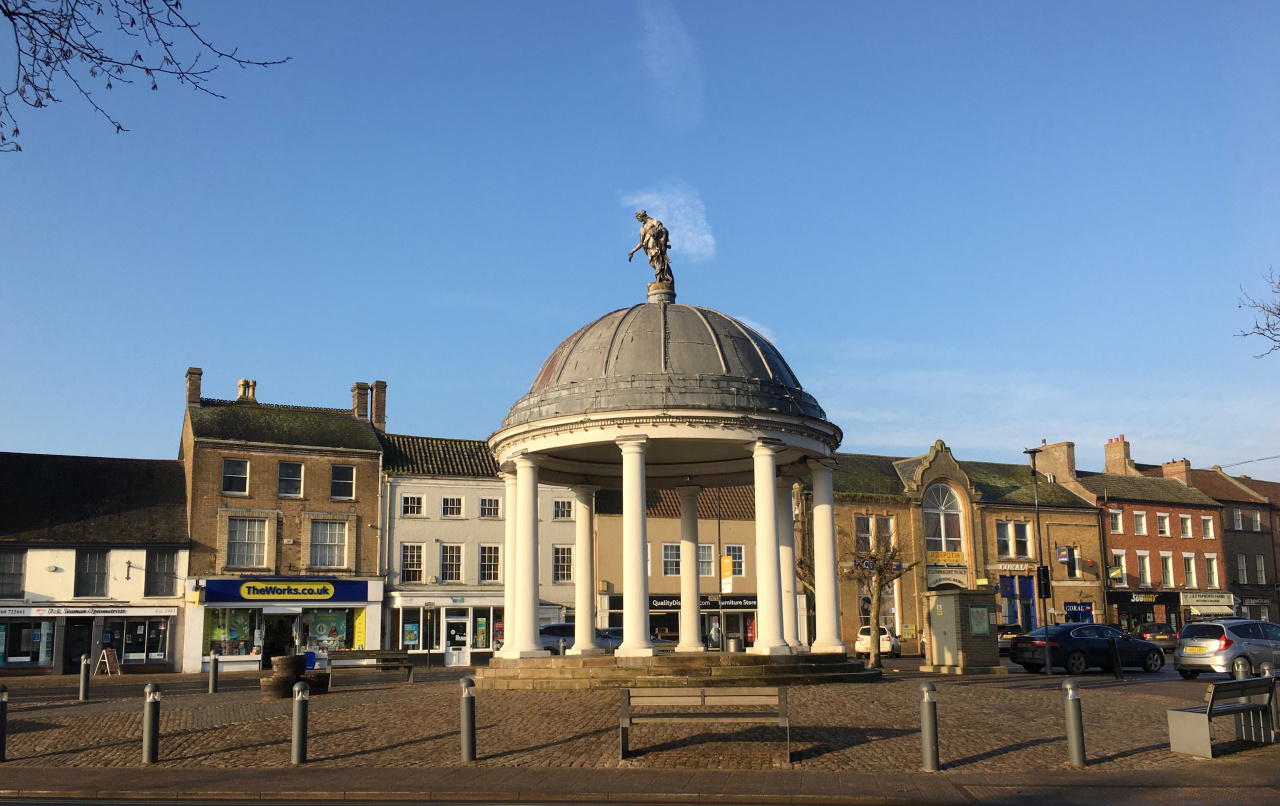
[{"x": 1076, "y": 647}]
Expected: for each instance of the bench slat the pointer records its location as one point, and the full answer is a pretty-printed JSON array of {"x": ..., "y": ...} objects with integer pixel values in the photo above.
[
  {"x": 640, "y": 701},
  {"x": 735, "y": 699},
  {"x": 760, "y": 718}
]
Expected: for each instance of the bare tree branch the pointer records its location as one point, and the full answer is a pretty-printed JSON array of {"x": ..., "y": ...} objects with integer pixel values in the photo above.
[
  {"x": 64, "y": 39},
  {"x": 1266, "y": 313},
  {"x": 877, "y": 564}
]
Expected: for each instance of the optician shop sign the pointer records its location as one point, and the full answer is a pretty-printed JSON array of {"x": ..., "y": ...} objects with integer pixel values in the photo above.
[{"x": 285, "y": 589}]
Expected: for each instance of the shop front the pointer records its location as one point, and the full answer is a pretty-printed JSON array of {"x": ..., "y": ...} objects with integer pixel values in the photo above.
[
  {"x": 1078, "y": 612},
  {"x": 449, "y": 630},
  {"x": 1132, "y": 609},
  {"x": 1206, "y": 605},
  {"x": 722, "y": 617},
  {"x": 248, "y": 620},
  {"x": 51, "y": 640}
]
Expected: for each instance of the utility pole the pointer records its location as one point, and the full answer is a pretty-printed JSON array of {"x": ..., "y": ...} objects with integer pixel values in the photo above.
[{"x": 1042, "y": 572}]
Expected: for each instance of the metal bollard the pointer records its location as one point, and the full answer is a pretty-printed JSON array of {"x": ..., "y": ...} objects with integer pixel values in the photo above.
[
  {"x": 468, "y": 719},
  {"x": 213, "y": 673},
  {"x": 151, "y": 724},
  {"x": 301, "y": 699},
  {"x": 1075, "y": 725},
  {"x": 1115, "y": 658},
  {"x": 84, "y": 678},
  {"x": 929, "y": 727},
  {"x": 4, "y": 721},
  {"x": 561, "y": 643}
]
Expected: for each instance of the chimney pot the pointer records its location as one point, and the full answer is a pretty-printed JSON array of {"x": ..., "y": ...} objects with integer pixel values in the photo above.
[
  {"x": 193, "y": 385},
  {"x": 242, "y": 390},
  {"x": 253, "y": 391}
]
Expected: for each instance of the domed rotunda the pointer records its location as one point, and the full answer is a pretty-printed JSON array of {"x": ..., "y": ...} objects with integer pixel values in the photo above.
[{"x": 671, "y": 396}]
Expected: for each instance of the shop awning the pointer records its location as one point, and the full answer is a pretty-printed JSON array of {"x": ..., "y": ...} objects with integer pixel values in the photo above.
[{"x": 1212, "y": 610}]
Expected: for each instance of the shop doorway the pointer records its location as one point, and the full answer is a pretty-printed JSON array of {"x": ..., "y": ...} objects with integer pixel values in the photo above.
[
  {"x": 79, "y": 632},
  {"x": 457, "y": 643},
  {"x": 735, "y": 627},
  {"x": 279, "y": 637}
]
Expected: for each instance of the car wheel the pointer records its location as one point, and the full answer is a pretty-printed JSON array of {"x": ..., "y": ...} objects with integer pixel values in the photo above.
[
  {"x": 1154, "y": 661},
  {"x": 898, "y": 654},
  {"x": 1188, "y": 674},
  {"x": 1241, "y": 667},
  {"x": 1076, "y": 663},
  {"x": 1033, "y": 668}
]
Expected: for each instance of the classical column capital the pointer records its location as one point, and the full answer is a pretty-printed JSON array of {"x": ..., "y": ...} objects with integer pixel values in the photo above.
[
  {"x": 634, "y": 442},
  {"x": 524, "y": 460},
  {"x": 785, "y": 483},
  {"x": 687, "y": 490},
  {"x": 584, "y": 490},
  {"x": 820, "y": 464},
  {"x": 506, "y": 476},
  {"x": 766, "y": 445}
]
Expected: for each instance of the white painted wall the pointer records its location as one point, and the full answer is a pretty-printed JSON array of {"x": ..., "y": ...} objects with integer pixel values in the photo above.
[{"x": 50, "y": 579}]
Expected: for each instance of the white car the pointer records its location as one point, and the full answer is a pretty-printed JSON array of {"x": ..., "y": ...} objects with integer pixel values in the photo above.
[{"x": 889, "y": 644}]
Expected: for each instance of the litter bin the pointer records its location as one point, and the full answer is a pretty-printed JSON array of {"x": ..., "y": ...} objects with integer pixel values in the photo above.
[
  {"x": 311, "y": 660},
  {"x": 735, "y": 644}
]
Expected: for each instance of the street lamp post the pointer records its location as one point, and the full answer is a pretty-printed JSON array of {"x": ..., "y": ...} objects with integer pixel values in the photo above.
[{"x": 1042, "y": 576}]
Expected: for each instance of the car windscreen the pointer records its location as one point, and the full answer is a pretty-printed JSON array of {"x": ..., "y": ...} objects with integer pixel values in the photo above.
[{"x": 1202, "y": 631}]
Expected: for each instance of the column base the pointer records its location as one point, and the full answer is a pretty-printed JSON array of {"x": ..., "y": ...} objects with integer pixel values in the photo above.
[
  {"x": 834, "y": 646},
  {"x": 591, "y": 650},
  {"x": 634, "y": 652},
  {"x": 516, "y": 654},
  {"x": 696, "y": 648},
  {"x": 770, "y": 650}
]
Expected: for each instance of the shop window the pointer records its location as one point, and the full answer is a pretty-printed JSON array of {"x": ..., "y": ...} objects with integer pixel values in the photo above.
[
  {"x": 410, "y": 628},
  {"x": 1206, "y": 526},
  {"x": 1185, "y": 524},
  {"x": 162, "y": 576},
  {"x": 1242, "y": 569},
  {"x": 1140, "y": 523},
  {"x": 481, "y": 627},
  {"x": 562, "y": 563},
  {"x": 1117, "y": 522},
  {"x": 91, "y": 572},
  {"x": 490, "y": 563},
  {"x": 1162, "y": 525},
  {"x": 671, "y": 559},
  {"x": 942, "y": 520},
  {"x": 323, "y": 630},
  {"x": 233, "y": 631},
  {"x": 246, "y": 543},
  {"x": 737, "y": 552},
  {"x": 1260, "y": 566},
  {"x": 26, "y": 643},
  {"x": 450, "y": 562},
  {"x": 1189, "y": 570},
  {"x": 561, "y": 510},
  {"x": 235, "y": 476},
  {"x": 342, "y": 482},
  {"x": 12, "y": 564},
  {"x": 1210, "y": 569},
  {"x": 706, "y": 560},
  {"x": 862, "y": 533},
  {"x": 328, "y": 544},
  {"x": 451, "y": 507},
  {"x": 289, "y": 482},
  {"x": 410, "y": 562},
  {"x": 1166, "y": 569},
  {"x": 411, "y": 506},
  {"x": 489, "y": 507}
]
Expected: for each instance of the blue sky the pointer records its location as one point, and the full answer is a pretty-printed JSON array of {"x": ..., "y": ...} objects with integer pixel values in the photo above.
[{"x": 985, "y": 223}]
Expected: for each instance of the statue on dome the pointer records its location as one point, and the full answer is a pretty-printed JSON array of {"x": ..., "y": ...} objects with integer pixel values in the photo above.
[{"x": 655, "y": 243}]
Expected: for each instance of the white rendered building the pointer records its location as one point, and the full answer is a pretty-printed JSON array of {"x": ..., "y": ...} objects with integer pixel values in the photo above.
[{"x": 446, "y": 523}]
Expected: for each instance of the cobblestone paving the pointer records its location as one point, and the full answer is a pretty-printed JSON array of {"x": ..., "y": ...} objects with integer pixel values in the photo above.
[{"x": 984, "y": 727}]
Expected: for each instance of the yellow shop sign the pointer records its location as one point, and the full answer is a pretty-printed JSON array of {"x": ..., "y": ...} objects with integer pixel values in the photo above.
[
  {"x": 944, "y": 558},
  {"x": 286, "y": 590}
]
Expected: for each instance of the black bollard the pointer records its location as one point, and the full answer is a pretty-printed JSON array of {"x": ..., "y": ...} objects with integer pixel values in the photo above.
[
  {"x": 151, "y": 724},
  {"x": 301, "y": 698},
  {"x": 468, "y": 719},
  {"x": 4, "y": 721},
  {"x": 213, "y": 673},
  {"x": 929, "y": 727},
  {"x": 1075, "y": 725},
  {"x": 84, "y": 678},
  {"x": 1115, "y": 658},
  {"x": 561, "y": 643}
]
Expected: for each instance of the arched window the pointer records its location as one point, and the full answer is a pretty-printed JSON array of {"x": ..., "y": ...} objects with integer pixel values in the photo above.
[{"x": 942, "y": 519}]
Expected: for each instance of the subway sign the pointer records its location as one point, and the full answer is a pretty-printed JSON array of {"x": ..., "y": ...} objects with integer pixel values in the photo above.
[{"x": 285, "y": 589}]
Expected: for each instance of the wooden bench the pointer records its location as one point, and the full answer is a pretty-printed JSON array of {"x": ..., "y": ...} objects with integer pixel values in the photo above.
[
  {"x": 770, "y": 708},
  {"x": 352, "y": 663},
  {"x": 1189, "y": 727}
]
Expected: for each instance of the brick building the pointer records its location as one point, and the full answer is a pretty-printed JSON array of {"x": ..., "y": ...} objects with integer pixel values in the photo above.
[
  {"x": 1270, "y": 492},
  {"x": 283, "y": 512}
]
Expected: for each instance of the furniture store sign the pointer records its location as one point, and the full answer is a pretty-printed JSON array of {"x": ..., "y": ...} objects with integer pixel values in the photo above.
[{"x": 293, "y": 589}]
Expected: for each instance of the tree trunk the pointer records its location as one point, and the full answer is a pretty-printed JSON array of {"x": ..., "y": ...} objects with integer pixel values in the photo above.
[{"x": 873, "y": 652}]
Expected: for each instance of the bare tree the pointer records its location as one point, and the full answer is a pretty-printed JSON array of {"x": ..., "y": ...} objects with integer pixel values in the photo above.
[
  {"x": 877, "y": 565},
  {"x": 1266, "y": 313},
  {"x": 83, "y": 46}
]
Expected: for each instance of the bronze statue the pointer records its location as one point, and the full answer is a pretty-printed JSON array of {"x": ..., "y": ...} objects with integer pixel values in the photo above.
[{"x": 655, "y": 243}]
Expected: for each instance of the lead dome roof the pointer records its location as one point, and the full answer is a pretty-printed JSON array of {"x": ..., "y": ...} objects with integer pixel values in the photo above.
[{"x": 660, "y": 355}]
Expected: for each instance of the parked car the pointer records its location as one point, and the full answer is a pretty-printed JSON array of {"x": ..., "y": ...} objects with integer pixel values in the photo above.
[
  {"x": 1005, "y": 633},
  {"x": 889, "y": 644},
  {"x": 1076, "y": 647},
  {"x": 1228, "y": 646},
  {"x": 550, "y": 634},
  {"x": 1161, "y": 634}
]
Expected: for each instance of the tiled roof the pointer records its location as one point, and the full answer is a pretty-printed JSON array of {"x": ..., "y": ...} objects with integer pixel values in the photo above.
[
  {"x": 864, "y": 473},
  {"x": 433, "y": 456},
  {"x": 1220, "y": 488},
  {"x": 1270, "y": 490},
  {"x": 995, "y": 483},
  {"x": 246, "y": 421},
  {"x": 1143, "y": 488},
  {"x": 91, "y": 500},
  {"x": 728, "y": 503}
]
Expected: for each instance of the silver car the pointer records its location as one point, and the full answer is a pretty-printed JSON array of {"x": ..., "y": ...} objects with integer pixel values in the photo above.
[{"x": 1228, "y": 646}]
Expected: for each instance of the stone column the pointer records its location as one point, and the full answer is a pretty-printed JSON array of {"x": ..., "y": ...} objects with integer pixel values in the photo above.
[
  {"x": 690, "y": 637},
  {"x": 584, "y": 573},
  {"x": 635, "y": 575},
  {"x": 769, "y": 639},
  {"x": 826, "y": 591},
  {"x": 509, "y": 619},
  {"x": 527, "y": 597},
  {"x": 787, "y": 564}
]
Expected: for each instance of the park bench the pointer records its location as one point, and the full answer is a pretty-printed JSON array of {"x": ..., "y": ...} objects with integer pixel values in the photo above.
[
  {"x": 767, "y": 706},
  {"x": 1189, "y": 727},
  {"x": 364, "y": 665}
]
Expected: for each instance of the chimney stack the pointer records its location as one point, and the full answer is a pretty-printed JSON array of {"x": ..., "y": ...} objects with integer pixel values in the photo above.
[
  {"x": 1118, "y": 460},
  {"x": 242, "y": 390},
  {"x": 1058, "y": 460},
  {"x": 360, "y": 400},
  {"x": 253, "y": 391},
  {"x": 193, "y": 385},
  {"x": 1176, "y": 470},
  {"x": 378, "y": 405}
]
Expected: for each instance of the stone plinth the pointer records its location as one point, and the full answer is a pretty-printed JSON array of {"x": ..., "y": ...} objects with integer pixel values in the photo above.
[{"x": 662, "y": 291}]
